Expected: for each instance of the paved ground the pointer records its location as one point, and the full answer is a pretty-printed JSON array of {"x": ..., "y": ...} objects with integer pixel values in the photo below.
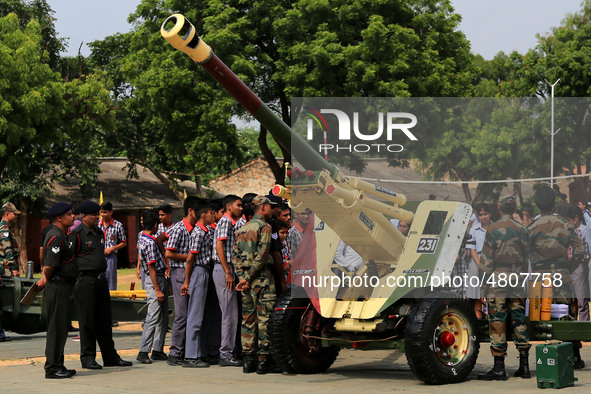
[{"x": 21, "y": 370}]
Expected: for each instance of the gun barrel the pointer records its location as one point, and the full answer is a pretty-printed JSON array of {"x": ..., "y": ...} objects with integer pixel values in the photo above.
[{"x": 182, "y": 35}]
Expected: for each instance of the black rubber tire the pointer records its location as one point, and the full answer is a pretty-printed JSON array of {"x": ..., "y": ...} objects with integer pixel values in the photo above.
[
  {"x": 289, "y": 353},
  {"x": 419, "y": 341}
]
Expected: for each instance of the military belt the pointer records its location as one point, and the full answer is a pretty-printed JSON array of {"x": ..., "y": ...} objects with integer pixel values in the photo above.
[
  {"x": 94, "y": 274},
  {"x": 61, "y": 279}
]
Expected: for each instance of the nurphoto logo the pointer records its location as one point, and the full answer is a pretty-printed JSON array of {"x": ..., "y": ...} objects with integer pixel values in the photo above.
[{"x": 349, "y": 130}]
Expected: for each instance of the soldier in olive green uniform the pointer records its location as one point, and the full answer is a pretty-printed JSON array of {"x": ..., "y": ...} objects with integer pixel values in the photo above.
[
  {"x": 251, "y": 260},
  {"x": 551, "y": 237},
  {"x": 8, "y": 246},
  {"x": 59, "y": 275},
  {"x": 505, "y": 250}
]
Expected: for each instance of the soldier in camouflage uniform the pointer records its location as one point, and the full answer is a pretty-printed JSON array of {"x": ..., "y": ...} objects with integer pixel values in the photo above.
[
  {"x": 8, "y": 246},
  {"x": 8, "y": 250},
  {"x": 252, "y": 260},
  {"x": 505, "y": 250},
  {"x": 551, "y": 238}
]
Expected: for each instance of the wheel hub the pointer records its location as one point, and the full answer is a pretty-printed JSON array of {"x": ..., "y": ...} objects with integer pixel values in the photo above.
[
  {"x": 447, "y": 339},
  {"x": 451, "y": 339}
]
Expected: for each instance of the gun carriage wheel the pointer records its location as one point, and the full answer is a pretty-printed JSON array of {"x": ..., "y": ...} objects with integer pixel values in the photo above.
[
  {"x": 290, "y": 348},
  {"x": 441, "y": 343}
]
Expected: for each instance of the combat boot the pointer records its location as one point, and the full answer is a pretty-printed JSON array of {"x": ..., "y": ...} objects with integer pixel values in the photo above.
[
  {"x": 523, "y": 370},
  {"x": 267, "y": 366},
  {"x": 497, "y": 372},
  {"x": 249, "y": 364}
]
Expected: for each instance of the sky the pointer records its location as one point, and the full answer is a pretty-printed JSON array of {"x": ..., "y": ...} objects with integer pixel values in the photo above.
[{"x": 490, "y": 25}]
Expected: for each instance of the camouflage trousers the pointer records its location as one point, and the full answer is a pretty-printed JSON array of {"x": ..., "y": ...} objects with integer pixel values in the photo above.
[
  {"x": 257, "y": 304},
  {"x": 498, "y": 310}
]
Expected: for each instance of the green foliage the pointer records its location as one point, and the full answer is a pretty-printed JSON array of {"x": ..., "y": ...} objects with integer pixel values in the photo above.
[
  {"x": 285, "y": 49},
  {"x": 515, "y": 141},
  {"x": 506, "y": 75},
  {"x": 248, "y": 142},
  {"x": 171, "y": 117},
  {"x": 40, "y": 11},
  {"x": 373, "y": 48},
  {"x": 47, "y": 125},
  {"x": 564, "y": 55}
]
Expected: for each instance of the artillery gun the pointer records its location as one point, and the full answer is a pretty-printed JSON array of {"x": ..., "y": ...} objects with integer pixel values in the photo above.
[
  {"x": 306, "y": 332},
  {"x": 437, "y": 330}
]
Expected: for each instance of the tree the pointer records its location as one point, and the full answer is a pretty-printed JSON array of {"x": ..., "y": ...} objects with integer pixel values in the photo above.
[
  {"x": 40, "y": 11},
  {"x": 171, "y": 117},
  {"x": 564, "y": 55},
  {"x": 47, "y": 125},
  {"x": 506, "y": 76},
  {"x": 285, "y": 49},
  {"x": 281, "y": 50}
]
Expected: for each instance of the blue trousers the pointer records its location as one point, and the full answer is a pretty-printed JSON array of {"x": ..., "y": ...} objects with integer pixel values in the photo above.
[
  {"x": 181, "y": 303},
  {"x": 156, "y": 322},
  {"x": 230, "y": 313},
  {"x": 111, "y": 271},
  {"x": 197, "y": 297}
]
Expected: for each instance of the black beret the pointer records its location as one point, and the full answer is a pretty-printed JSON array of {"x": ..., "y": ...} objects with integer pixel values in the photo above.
[
  {"x": 89, "y": 207},
  {"x": 274, "y": 199},
  {"x": 58, "y": 209}
]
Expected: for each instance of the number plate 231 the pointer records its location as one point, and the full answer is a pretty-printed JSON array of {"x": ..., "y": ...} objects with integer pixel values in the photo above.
[{"x": 427, "y": 245}]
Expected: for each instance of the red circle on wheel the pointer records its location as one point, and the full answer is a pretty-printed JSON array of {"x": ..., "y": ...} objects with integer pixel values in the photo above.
[{"x": 447, "y": 339}]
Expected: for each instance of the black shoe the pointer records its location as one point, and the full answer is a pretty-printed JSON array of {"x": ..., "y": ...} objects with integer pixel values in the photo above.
[
  {"x": 72, "y": 371},
  {"x": 229, "y": 362},
  {"x": 249, "y": 365},
  {"x": 143, "y": 358},
  {"x": 5, "y": 339},
  {"x": 579, "y": 364},
  {"x": 266, "y": 367},
  {"x": 159, "y": 356},
  {"x": 121, "y": 363},
  {"x": 523, "y": 370},
  {"x": 91, "y": 365},
  {"x": 73, "y": 329},
  {"x": 63, "y": 374},
  {"x": 195, "y": 363},
  {"x": 497, "y": 372},
  {"x": 211, "y": 359},
  {"x": 114, "y": 324},
  {"x": 174, "y": 361}
]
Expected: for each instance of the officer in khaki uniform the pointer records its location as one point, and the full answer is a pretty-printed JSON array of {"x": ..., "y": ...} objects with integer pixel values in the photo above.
[
  {"x": 252, "y": 261},
  {"x": 505, "y": 251},
  {"x": 92, "y": 291},
  {"x": 59, "y": 275}
]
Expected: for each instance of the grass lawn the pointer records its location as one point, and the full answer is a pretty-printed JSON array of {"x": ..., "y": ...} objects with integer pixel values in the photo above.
[{"x": 125, "y": 276}]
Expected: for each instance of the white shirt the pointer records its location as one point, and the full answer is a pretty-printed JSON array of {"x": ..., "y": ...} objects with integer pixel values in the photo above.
[{"x": 348, "y": 258}]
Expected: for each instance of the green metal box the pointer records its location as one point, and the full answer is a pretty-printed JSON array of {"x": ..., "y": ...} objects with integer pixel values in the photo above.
[{"x": 555, "y": 365}]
